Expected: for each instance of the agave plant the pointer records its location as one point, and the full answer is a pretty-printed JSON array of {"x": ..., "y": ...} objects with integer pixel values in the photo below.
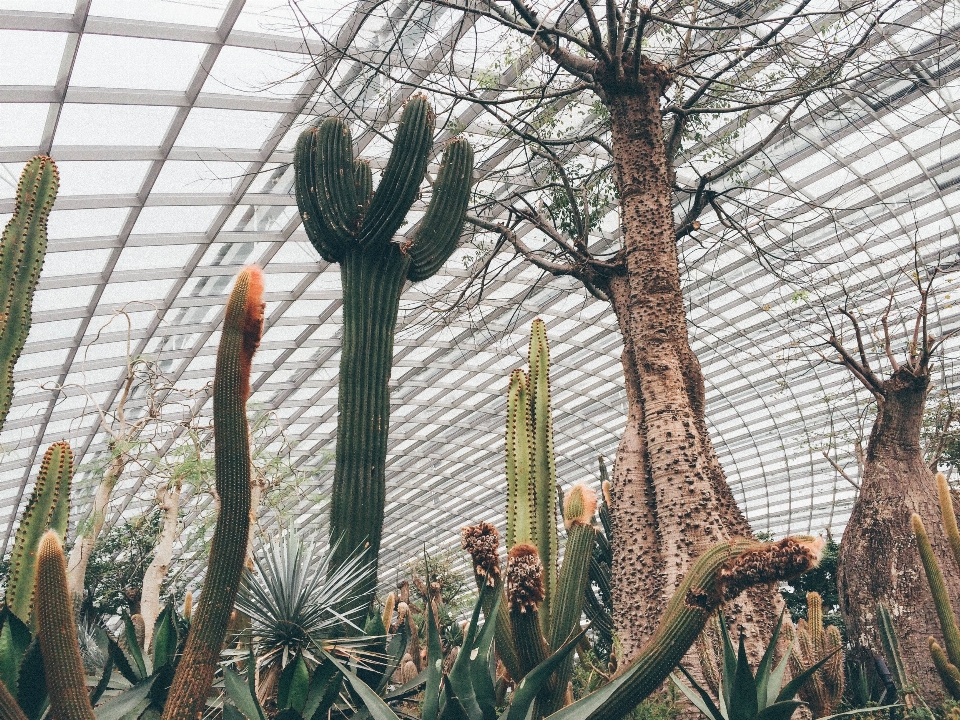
[{"x": 290, "y": 603}]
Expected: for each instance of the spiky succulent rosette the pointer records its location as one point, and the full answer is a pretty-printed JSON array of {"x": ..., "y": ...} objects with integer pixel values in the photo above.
[{"x": 482, "y": 542}]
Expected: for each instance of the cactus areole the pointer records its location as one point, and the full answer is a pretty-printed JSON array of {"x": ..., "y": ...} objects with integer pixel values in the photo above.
[{"x": 351, "y": 225}]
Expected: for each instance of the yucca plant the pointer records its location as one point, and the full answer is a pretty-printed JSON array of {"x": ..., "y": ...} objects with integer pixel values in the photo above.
[{"x": 293, "y": 606}]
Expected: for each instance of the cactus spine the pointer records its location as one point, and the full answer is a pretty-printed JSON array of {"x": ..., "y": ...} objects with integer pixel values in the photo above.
[
  {"x": 242, "y": 326},
  {"x": 823, "y": 691},
  {"x": 22, "y": 249},
  {"x": 349, "y": 224},
  {"x": 47, "y": 508},
  {"x": 58, "y": 635}
]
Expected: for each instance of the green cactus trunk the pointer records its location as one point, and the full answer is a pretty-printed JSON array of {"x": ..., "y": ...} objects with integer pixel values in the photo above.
[
  {"x": 242, "y": 325},
  {"x": 47, "y": 508},
  {"x": 372, "y": 280},
  {"x": 22, "y": 249},
  {"x": 57, "y": 630},
  {"x": 349, "y": 224},
  {"x": 938, "y": 587}
]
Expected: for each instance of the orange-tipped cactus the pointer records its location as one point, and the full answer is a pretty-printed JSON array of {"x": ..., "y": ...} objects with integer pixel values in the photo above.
[
  {"x": 57, "y": 631},
  {"x": 242, "y": 326}
]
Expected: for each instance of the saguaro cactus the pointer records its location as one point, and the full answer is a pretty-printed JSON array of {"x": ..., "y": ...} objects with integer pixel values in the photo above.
[
  {"x": 47, "y": 508},
  {"x": 22, "y": 249},
  {"x": 349, "y": 224},
  {"x": 242, "y": 326}
]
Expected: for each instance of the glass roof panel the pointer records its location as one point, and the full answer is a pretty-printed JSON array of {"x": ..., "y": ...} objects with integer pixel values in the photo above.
[
  {"x": 21, "y": 124},
  {"x": 189, "y": 12},
  {"x": 140, "y": 125},
  {"x": 214, "y": 128},
  {"x": 136, "y": 63},
  {"x": 44, "y": 50}
]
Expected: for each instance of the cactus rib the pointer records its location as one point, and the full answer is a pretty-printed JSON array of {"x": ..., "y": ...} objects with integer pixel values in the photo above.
[
  {"x": 242, "y": 326},
  {"x": 47, "y": 508},
  {"x": 58, "y": 635},
  {"x": 949, "y": 516}
]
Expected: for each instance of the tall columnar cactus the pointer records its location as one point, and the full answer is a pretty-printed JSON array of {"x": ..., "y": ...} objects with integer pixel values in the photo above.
[
  {"x": 823, "y": 691},
  {"x": 47, "y": 508},
  {"x": 350, "y": 224},
  {"x": 57, "y": 630},
  {"x": 22, "y": 249},
  {"x": 946, "y": 659},
  {"x": 242, "y": 325}
]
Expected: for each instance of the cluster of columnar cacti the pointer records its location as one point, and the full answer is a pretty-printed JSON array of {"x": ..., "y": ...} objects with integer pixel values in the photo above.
[
  {"x": 543, "y": 605},
  {"x": 945, "y": 659},
  {"x": 811, "y": 643},
  {"x": 194, "y": 675},
  {"x": 351, "y": 225}
]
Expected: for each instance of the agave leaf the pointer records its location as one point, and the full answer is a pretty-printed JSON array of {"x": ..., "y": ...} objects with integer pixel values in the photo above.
[
  {"x": 294, "y": 685},
  {"x": 231, "y": 713},
  {"x": 395, "y": 650},
  {"x": 379, "y": 710},
  {"x": 14, "y": 639},
  {"x": 133, "y": 647},
  {"x": 32, "y": 683},
  {"x": 780, "y": 711},
  {"x": 452, "y": 708},
  {"x": 697, "y": 695},
  {"x": 763, "y": 669},
  {"x": 324, "y": 688},
  {"x": 528, "y": 689},
  {"x": 793, "y": 687},
  {"x": 165, "y": 638},
  {"x": 775, "y": 681},
  {"x": 104, "y": 682},
  {"x": 408, "y": 688},
  {"x": 240, "y": 694},
  {"x": 743, "y": 698},
  {"x": 460, "y": 678},
  {"x": 481, "y": 672},
  {"x": 729, "y": 666},
  {"x": 129, "y": 704}
]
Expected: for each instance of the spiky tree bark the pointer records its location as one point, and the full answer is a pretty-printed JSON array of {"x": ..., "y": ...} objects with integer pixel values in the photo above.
[{"x": 879, "y": 560}]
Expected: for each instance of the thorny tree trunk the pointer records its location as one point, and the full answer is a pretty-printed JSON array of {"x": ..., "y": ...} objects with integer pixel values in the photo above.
[
  {"x": 156, "y": 571},
  {"x": 878, "y": 559},
  {"x": 83, "y": 548},
  {"x": 670, "y": 497}
]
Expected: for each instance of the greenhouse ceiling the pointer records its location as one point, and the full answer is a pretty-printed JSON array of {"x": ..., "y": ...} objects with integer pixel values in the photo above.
[{"x": 173, "y": 122}]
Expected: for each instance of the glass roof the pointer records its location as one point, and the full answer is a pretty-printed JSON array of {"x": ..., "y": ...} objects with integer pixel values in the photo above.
[{"x": 173, "y": 121}]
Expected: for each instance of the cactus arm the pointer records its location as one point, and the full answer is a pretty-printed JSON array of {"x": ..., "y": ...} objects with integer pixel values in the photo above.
[
  {"x": 521, "y": 519},
  {"x": 363, "y": 180},
  {"x": 334, "y": 169},
  {"x": 544, "y": 472},
  {"x": 949, "y": 675},
  {"x": 938, "y": 588},
  {"x": 242, "y": 326},
  {"x": 949, "y": 516},
  {"x": 60, "y": 514},
  {"x": 719, "y": 574},
  {"x": 441, "y": 226},
  {"x": 58, "y": 635},
  {"x": 306, "y": 182},
  {"x": 572, "y": 582},
  {"x": 54, "y": 471},
  {"x": 22, "y": 249},
  {"x": 401, "y": 178}
]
